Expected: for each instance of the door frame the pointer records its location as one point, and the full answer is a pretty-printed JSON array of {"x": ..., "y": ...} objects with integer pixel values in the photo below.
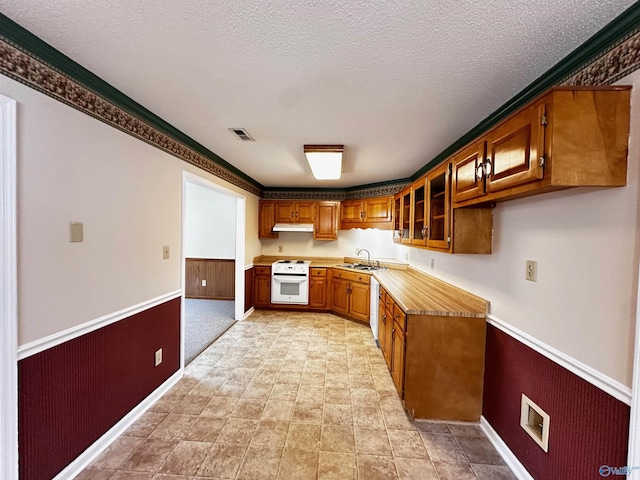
[
  {"x": 633, "y": 457},
  {"x": 188, "y": 177},
  {"x": 8, "y": 280}
]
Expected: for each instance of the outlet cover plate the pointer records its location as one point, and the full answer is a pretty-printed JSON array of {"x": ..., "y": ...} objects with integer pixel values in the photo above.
[
  {"x": 531, "y": 272},
  {"x": 165, "y": 252},
  {"x": 158, "y": 357}
]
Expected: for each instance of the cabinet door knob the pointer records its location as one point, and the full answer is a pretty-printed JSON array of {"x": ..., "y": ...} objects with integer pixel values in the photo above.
[
  {"x": 480, "y": 172},
  {"x": 487, "y": 167}
]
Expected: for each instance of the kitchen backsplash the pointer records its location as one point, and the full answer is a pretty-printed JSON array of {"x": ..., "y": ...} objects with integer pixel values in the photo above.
[{"x": 378, "y": 242}]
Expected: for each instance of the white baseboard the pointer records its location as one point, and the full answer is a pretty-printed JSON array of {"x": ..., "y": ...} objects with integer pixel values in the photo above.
[
  {"x": 50, "y": 341},
  {"x": 605, "y": 383},
  {"x": 248, "y": 312},
  {"x": 510, "y": 459},
  {"x": 100, "y": 445}
]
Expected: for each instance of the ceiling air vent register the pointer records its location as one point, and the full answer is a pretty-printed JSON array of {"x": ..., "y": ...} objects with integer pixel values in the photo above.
[{"x": 242, "y": 134}]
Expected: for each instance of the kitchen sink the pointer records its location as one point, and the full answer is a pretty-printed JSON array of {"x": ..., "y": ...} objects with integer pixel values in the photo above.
[{"x": 362, "y": 267}]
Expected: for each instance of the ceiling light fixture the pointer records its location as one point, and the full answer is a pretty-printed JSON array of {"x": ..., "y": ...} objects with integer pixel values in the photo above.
[{"x": 325, "y": 161}]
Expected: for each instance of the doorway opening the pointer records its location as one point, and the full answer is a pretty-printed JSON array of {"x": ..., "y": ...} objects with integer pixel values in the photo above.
[{"x": 213, "y": 220}]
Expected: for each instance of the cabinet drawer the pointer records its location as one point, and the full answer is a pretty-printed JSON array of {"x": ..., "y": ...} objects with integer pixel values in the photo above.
[
  {"x": 400, "y": 317},
  {"x": 318, "y": 272},
  {"x": 382, "y": 296},
  {"x": 263, "y": 270},
  {"x": 351, "y": 276}
]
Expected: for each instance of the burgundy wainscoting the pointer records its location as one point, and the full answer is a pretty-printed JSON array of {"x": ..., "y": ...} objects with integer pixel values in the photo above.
[
  {"x": 588, "y": 428},
  {"x": 73, "y": 393}
]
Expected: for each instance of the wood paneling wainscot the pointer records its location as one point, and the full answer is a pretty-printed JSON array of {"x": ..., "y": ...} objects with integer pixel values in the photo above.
[{"x": 219, "y": 275}]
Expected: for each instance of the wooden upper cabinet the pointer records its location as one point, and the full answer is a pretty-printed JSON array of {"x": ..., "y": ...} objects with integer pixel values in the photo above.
[
  {"x": 266, "y": 219},
  {"x": 569, "y": 137},
  {"x": 405, "y": 216},
  {"x": 419, "y": 229},
  {"x": 367, "y": 213},
  {"x": 294, "y": 212},
  {"x": 326, "y": 221},
  {"x": 397, "y": 216},
  {"x": 438, "y": 215},
  {"x": 514, "y": 150},
  {"x": 468, "y": 172},
  {"x": 305, "y": 212},
  {"x": 378, "y": 209},
  {"x": 351, "y": 211}
]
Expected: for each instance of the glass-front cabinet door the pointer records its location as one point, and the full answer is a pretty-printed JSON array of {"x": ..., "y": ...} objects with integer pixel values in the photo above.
[
  {"x": 397, "y": 218},
  {"x": 419, "y": 228},
  {"x": 439, "y": 211},
  {"x": 406, "y": 216}
]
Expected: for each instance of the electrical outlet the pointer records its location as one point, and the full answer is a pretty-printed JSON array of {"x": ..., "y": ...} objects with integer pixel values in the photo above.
[
  {"x": 532, "y": 271},
  {"x": 165, "y": 252},
  {"x": 280, "y": 248},
  {"x": 406, "y": 255},
  {"x": 432, "y": 264},
  {"x": 204, "y": 283},
  {"x": 158, "y": 357}
]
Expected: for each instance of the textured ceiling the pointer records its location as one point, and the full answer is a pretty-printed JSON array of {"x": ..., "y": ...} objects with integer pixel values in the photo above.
[{"x": 395, "y": 81}]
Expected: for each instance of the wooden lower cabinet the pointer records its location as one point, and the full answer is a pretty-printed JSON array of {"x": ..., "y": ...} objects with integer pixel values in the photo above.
[
  {"x": 385, "y": 330},
  {"x": 339, "y": 291},
  {"x": 382, "y": 320},
  {"x": 318, "y": 288},
  {"x": 436, "y": 362},
  {"x": 350, "y": 293},
  {"x": 262, "y": 287},
  {"x": 397, "y": 351}
]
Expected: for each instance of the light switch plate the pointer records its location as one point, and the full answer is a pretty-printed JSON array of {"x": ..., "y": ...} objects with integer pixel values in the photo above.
[
  {"x": 204, "y": 283},
  {"x": 76, "y": 232},
  {"x": 158, "y": 357},
  {"x": 165, "y": 252}
]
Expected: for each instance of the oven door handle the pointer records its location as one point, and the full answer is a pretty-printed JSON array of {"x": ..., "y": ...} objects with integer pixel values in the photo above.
[{"x": 290, "y": 275}]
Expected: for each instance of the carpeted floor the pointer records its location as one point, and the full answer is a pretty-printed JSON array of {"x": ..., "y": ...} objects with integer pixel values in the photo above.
[{"x": 205, "y": 320}]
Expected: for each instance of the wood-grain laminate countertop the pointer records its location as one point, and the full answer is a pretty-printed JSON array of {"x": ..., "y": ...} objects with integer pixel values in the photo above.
[
  {"x": 420, "y": 294},
  {"x": 415, "y": 292}
]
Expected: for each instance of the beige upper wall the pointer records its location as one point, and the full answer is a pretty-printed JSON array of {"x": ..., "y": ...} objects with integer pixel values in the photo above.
[{"x": 128, "y": 194}]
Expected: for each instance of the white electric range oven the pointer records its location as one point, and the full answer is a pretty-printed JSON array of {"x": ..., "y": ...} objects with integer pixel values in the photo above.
[{"x": 290, "y": 282}]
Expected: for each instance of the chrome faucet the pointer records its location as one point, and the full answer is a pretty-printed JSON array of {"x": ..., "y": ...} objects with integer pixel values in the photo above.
[{"x": 360, "y": 250}]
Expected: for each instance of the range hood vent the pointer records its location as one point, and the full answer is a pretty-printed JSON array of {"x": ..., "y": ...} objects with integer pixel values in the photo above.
[{"x": 293, "y": 227}]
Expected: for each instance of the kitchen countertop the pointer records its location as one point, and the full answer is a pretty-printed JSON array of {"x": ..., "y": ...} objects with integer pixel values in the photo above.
[
  {"x": 420, "y": 294},
  {"x": 328, "y": 262},
  {"x": 417, "y": 293}
]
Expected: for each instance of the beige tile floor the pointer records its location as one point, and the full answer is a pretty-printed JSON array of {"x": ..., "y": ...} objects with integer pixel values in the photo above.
[{"x": 293, "y": 396}]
